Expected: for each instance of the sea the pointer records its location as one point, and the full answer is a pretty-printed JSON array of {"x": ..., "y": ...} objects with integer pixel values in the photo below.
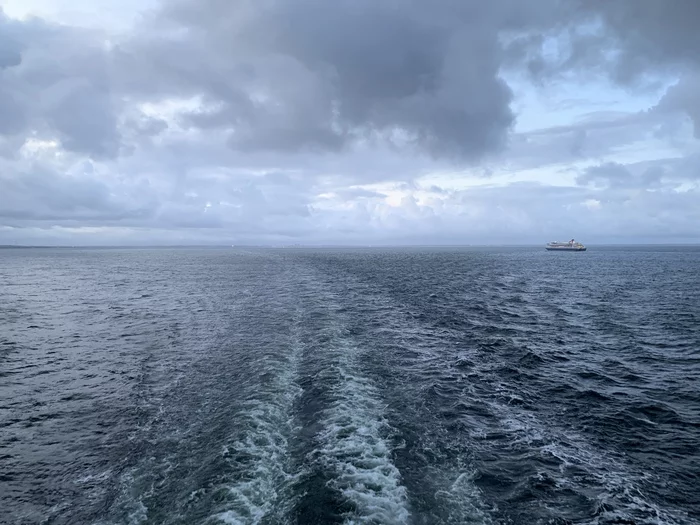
[{"x": 350, "y": 385}]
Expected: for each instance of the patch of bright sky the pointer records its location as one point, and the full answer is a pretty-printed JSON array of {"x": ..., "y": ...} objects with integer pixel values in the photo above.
[
  {"x": 34, "y": 147},
  {"x": 548, "y": 175},
  {"x": 643, "y": 151},
  {"x": 108, "y": 15},
  {"x": 565, "y": 103},
  {"x": 686, "y": 187},
  {"x": 170, "y": 109},
  {"x": 564, "y": 98}
]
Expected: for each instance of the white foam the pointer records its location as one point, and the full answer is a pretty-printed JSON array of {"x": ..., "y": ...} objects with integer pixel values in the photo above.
[
  {"x": 461, "y": 499},
  {"x": 261, "y": 488},
  {"x": 354, "y": 447},
  {"x": 102, "y": 476}
]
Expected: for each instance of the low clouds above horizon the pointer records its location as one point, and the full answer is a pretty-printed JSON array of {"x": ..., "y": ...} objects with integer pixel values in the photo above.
[{"x": 349, "y": 122}]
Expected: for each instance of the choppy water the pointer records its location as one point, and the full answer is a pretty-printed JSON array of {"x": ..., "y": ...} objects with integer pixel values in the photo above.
[{"x": 421, "y": 386}]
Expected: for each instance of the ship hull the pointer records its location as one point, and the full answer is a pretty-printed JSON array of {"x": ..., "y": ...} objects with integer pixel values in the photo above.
[{"x": 566, "y": 249}]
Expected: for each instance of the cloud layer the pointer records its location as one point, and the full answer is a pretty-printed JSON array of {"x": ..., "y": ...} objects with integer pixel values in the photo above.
[{"x": 304, "y": 121}]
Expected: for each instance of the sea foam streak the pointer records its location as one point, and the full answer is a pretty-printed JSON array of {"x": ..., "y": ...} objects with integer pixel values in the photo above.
[
  {"x": 260, "y": 487},
  {"x": 354, "y": 446}
]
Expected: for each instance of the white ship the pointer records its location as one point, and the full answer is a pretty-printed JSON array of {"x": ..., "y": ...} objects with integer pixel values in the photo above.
[{"x": 571, "y": 246}]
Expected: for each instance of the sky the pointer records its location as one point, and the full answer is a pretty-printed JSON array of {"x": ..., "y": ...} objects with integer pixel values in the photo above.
[{"x": 359, "y": 122}]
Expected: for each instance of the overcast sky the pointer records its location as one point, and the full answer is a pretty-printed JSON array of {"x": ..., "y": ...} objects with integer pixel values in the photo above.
[{"x": 349, "y": 121}]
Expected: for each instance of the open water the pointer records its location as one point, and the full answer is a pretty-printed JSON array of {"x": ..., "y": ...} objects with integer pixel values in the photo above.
[{"x": 320, "y": 386}]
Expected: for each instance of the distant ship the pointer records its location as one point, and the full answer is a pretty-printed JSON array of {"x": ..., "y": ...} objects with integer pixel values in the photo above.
[{"x": 571, "y": 246}]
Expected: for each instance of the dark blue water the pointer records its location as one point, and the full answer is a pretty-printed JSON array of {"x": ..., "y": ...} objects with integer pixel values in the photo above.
[{"x": 420, "y": 386}]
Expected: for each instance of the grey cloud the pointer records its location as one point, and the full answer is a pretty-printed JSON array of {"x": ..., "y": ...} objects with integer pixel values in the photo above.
[
  {"x": 59, "y": 87},
  {"x": 615, "y": 175},
  {"x": 658, "y": 174},
  {"x": 309, "y": 97},
  {"x": 10, "y": 48},
  {"x": 257, "y": 199},
  {"x": 593, "y": 136},
  {"x": 518, "y": 213},
  {"x": 147, "y": 126},
  {"x": 685, "y": 169},
  {"x": 684, "y": 97},
  {"x": 593, "y": 215},
  {"x": 85, "y": 120},
  {"x": 292, "y": 76},
  {"x": 39, "y": 194},
  {"x": 209, "y": 152},
  {"x": 9, "y": 57},
  {"x": 524, "y": 213},
  {"x": 311, "y": 74},
  {"x": 649, "y": 33},
  {"x": 13, "y": 116},
  {"x": 632, "y": 41},
  {"x": 349, "y": 194},
  {"x": 522, "y": 49},
  {"x": 139, "y": 131}
]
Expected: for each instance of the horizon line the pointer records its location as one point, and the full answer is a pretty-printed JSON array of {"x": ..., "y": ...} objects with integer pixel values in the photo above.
[{"x": 324, "y": 245}]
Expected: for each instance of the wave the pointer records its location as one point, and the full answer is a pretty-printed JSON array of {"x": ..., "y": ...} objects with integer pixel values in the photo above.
[
  {"x": 354, "y": 447},
  {"x": 568, "y": 468},
  {"x": 259, "y": 463}
]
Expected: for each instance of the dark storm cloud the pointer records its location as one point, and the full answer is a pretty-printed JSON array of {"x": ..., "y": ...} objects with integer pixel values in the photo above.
[
  {"x": 317, "y": 76},
  {"x": 314, "y": 75},
  {"x": 321, "y": 75}
]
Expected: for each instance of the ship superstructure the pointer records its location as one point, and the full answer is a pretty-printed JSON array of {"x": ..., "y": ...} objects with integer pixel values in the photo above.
[{"x": 570, "y": 246}]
